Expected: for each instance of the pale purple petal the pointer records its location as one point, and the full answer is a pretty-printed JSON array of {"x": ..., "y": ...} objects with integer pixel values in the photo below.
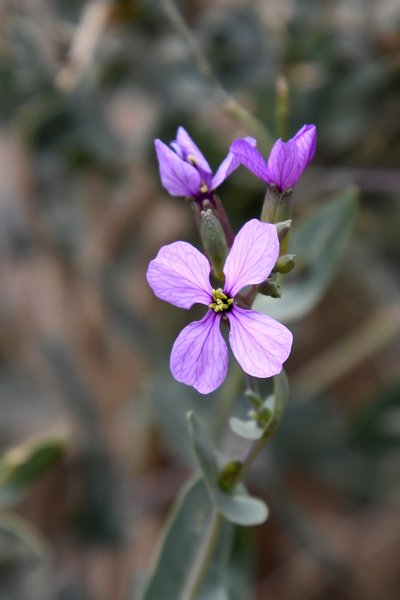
[
  {"x": 251, "y": 158},
  {"x": 189, "y": 148},
  {"x": 283, "y": 167},
  {"x": 228, "y": 165},
  {"x": 260, "y": 344},
  {"x": 180, "y": 274},
  {"x": 177, "y": 176},
  {"x": 306, "y": 140},
  {"x": 252, "y": 257},
  {"x": 199, "y": 355},
  {"x": 288, "y": 160}
]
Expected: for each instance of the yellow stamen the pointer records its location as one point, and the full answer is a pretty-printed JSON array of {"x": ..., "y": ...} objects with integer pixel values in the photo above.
[
  {"x": 190, "y": 158},
  {"x": 203, "y": 188},
  {"x": 221, "y": 301}
]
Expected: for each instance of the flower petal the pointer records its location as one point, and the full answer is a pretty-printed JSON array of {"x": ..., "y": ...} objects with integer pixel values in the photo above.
[
  {"x": 288, "y": 160},
  {"x": 306, "y": 140},
  {"x": 251, "y": 158},
  {"x": 180, "y": 274},
  {"x": 283, "y": 168},
  {"x": 252, "y": 257},
  {"x": 228, "y": 165},
  {"x": 260, "y": 344},
  {"x": 189, "y": 148},
  {"x": 177, "y": 176},
  {"x": 199, "y": 355}
]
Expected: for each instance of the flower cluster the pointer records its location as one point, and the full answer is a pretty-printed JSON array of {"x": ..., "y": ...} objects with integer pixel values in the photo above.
[{"x": 180, "y": 274}]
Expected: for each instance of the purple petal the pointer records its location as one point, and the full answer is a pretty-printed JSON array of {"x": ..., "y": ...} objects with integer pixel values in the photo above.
[
  {"x": 283, "y": 168},
  {"x": 252, "y": 257},
  {"x": 288, "y": 160},
  {"x": 189, "y": 148},
  {"x": 177, "y": 176},
  {"x": 260, "y": 344},
  {"x": 199, "y": 355},
  {"x": 180, "y": 274},
  {"x": 228, "y": 165},
  {"x": 306, "y": 140},
  {"x": 251, "y": 158}
]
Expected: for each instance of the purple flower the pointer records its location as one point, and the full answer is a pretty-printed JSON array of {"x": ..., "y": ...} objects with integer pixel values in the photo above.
[
  {"x": 180, "y": 274},
  {"x": 286, "y": 162},
  {"x": 185, "y": 172}
]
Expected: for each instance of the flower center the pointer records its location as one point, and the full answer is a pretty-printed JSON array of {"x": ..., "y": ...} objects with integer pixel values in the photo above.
[{"x": 221, "y": 301}]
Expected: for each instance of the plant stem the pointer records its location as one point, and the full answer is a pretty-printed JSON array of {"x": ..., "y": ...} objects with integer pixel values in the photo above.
[{"x": 202, "y": 558}]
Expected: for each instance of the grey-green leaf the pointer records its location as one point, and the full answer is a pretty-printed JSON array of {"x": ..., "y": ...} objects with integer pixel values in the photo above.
[
  {"x": 238, "y": 507},
  {"x": 181, "y": 541},
  {"x": 319, "y": 243},
  {"x": 250, "y": 429}
]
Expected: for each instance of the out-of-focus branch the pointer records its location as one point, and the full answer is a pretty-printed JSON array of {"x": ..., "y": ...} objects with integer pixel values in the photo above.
[
  {"x": 228, "y": 102},
  {"x": 87, "y": 36},
  {"x": 347, "y": 354}
]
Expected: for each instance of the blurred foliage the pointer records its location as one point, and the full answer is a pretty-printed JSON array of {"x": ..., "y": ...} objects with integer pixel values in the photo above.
[{"x": 24, "y": 464}]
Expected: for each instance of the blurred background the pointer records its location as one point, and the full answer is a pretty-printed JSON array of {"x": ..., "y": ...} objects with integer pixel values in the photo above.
[{"x": 92, "y": 424}]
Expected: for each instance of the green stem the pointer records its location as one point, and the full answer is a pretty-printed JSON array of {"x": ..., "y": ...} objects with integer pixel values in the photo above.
[
  {"x": 258, "y": 446},
  {"x": 203, "y": 558}
]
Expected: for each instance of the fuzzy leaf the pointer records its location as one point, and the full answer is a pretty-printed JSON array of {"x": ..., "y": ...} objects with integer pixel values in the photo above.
[
  {"x": 183, "y": 535},
  {"x": 249, "y": 429}
]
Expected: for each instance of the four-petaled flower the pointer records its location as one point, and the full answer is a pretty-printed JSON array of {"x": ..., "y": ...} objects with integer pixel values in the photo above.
[
  {"x": 180, "y": 274},
  {"x": 185, "y": 172},
  {"x": 286, "y": 162}
]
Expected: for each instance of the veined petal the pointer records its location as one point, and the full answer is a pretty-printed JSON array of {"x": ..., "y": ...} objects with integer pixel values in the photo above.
[
  {"x": 288, "y": 160},
  {"x": 228, "y": 165},
  {"x": 306, "y": 140},
  {"x": 252, "y": 257},
  {"x": 177, "y": 176},
  {"x": 250, "y": 157},
  {"x": 283, "y": 168},
  {"x": 199, "y": 355},
  {"x": 260, "y": 344},
  {"x": 180, "y": 274},
  {"x": 189, "y": 148}
]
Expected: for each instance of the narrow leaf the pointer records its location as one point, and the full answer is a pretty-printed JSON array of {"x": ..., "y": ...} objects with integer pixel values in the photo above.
[{"x": 183, "y": 535}]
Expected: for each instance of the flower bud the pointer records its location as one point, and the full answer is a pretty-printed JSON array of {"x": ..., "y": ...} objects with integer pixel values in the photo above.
[
  {"x": 271, "y": 287},
  {"x": 214, "y": 241},
  {"x": 228, "y": 475},
  {"x": 283, "y": 228},
  {"x": 285, "y": 263}
]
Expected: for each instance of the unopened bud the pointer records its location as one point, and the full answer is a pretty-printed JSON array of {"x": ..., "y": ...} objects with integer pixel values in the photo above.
[
  {"x": 254, "y": 398},
  {"x": 283, "y": 228},
  {"x": 228, "y": 475},
  {"x": 285, "y": 263},
  {"x": 271, "y": 287},
  {"x": 214, "y": 241}
]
